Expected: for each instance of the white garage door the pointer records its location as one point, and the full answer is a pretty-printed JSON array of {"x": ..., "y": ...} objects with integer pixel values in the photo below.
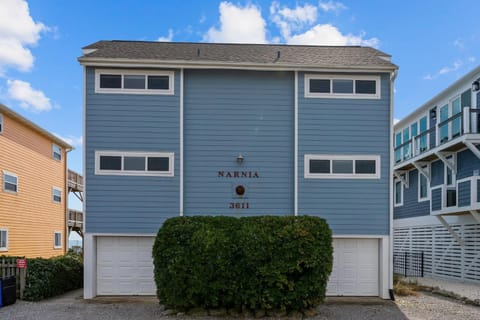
[
  {"x": 355, "y": 268},
  {"x": 125, "y": 266}
]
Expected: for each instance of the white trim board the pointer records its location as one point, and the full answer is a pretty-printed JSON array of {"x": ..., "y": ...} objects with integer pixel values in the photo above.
[
  {"x": 432, "y": 220},
  {"x": 129, "y": 63}
]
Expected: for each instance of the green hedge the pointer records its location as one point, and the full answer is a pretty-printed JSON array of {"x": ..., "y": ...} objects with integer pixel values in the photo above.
[
  {"x": 258, "y": 263},
  {"x": 50, "y": 277}
]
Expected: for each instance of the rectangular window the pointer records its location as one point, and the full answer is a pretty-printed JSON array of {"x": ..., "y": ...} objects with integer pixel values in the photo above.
[
  {"x": 342, "y": 86},
  {"x": 110, "y": 81},
  {"x": 423, "y": 193},
  {"x": 422, "y": 142},
  {"x": 158, "y": 82},
  {"x": 1, "y": 123},
  {"x": 57, "y": 240},
  {"x": 134, "y": 163},
  {"x": 134, "y": 81},
  {"x": 3, "y": 240},
  {"x": 406, "y": 148},
  {"x": 450, "y": 178},
  {"x": 342, "y": 166},
  {"x": 398, "y": 193},
  {"x": 336, "y": 86},
  {"x": 398, "y": 151},
  {"x": 319, "y": 166},
  {"x": 56, "y": 152},
  {"x": 10, "y": 182},
  {"x": 366, "y": 87},
  {"x": 56, "y": 195}
]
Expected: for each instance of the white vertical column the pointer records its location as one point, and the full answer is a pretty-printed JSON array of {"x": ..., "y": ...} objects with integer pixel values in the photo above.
[
  {"x": 295, "y": 161},
  {"x": 90, "y": 266},
  {"x": 181, "y": 142}
]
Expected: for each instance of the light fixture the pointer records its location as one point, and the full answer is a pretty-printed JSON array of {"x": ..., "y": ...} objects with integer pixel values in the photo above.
[
  {"x": 476, "y": 85},
  {"x": 239, "y": 158}
]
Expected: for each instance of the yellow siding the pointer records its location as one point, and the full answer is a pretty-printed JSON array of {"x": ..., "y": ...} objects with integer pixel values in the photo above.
[{"x": 30, "y": 215}]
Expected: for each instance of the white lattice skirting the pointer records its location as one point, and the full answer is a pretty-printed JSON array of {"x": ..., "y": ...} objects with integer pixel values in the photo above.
[{"x": 443, "y": 256}]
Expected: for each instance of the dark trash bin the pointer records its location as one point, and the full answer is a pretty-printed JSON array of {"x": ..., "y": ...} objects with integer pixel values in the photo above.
[{"x": 8, "y": 291}]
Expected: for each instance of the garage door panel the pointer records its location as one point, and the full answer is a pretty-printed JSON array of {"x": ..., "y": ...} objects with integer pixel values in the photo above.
[
  {"x": 355, "y": 268},
  {"x": 125, "y": 266}
]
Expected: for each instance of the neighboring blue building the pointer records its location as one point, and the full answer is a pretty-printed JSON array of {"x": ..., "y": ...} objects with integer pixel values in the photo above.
[
  {"x": 236, "y": 129},
  {"x": 437, "y": 182}
]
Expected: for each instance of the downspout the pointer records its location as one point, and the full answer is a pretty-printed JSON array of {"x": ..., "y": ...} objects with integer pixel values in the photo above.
[
  {"x": 295, "y": 152},
  {"x": 393, "y": 76},
  {"x": 181, "y": 144},
  {"x": 67, "y": 234}
]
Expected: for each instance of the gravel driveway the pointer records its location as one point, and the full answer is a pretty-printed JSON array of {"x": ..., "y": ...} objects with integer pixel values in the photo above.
[{"x": 72, "y": 307}]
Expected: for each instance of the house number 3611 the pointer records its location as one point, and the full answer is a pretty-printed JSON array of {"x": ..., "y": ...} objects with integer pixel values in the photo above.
[{"x": 238, "y": 205}]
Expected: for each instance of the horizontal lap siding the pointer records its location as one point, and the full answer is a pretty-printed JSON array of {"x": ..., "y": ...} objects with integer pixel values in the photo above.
[
  {"x": 30, "y": 215},
  {"x": 436, "y": 199},
  {"x": 346, "y": 127},
  {"x": 467, "y": 164},
  {"x": 411, "y": 206},
  {"x": 464, "y": 193},
  {"x": 228, "y": 113},
  {"x": 123, "y": 122}
]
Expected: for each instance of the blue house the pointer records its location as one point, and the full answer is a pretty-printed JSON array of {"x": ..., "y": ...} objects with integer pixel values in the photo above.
[
  {"x": 181, "y": 129},
  {"x": 437, "y": 182}
]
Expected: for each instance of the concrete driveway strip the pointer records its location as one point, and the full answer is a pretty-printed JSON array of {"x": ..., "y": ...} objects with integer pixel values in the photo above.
[{"x": 71, "y": 306}]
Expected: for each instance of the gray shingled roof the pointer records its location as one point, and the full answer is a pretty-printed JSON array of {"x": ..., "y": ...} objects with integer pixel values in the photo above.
[{"x": 237, "y": 54}]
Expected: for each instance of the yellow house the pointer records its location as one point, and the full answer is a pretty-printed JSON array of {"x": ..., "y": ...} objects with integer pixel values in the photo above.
[{"x": 33, "y": 188}]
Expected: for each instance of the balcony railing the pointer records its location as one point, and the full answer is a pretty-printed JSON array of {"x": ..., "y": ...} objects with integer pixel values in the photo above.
[
  {"x": 463, "y": 196},
  {"x": 75, "y": 181},
  {"x": 465, "y": 122}
]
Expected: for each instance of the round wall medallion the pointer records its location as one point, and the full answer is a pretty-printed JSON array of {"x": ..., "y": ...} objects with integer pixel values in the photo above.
[{"x": 240, "y": 190}]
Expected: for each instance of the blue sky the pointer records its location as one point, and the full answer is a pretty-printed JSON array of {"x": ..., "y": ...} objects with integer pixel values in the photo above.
[{"x": 433, "y": 42}]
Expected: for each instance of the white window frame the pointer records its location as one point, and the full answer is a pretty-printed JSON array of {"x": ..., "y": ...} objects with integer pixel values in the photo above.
[
  {"x": 123, "y": 154},
  {"x": 309, "y": 175},
  {"x": 1, "y": 123},
  {"x": 419, "y": 174},
  {"x": 146, "y": 73},
  {"x": 7, "y": 173},
  {"x": 445, "y": 170},
  {"x": 4, "y": 249},
  {"x": 53, "y": 194},
  {"x": 395, "y": 204},
  {"x": 56, "y": 149},
  {"x": 331, "y": 77},
  {"x": 55, "y": 246}
]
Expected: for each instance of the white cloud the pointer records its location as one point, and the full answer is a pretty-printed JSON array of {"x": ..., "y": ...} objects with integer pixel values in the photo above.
[
  {"x": 71, "y": 140},
  {"x": 326, "y": 34},
  {"x": 472, "y": 59},
  {"x": 168, "y": 38},
  {"x": 29, "y": 98},
  {"x": 446, "y": 70},
  {"x": 395, "y": 121},
  {"x": 331, "y": 5},
  {"x": 238, "y": 25},
  {"x": 459, "y": 44},
  {"x": 18, "y": 31},
  {"x": 288, "y": 20}
]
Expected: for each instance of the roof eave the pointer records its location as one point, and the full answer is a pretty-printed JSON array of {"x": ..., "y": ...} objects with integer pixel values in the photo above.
[
  {"x": 12, "y": 114},
  {"x": 148, "y": 63},
  {"x": 431, "y": 102}
]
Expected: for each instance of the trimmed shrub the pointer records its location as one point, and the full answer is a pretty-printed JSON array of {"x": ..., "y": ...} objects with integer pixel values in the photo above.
[
  {"x": 50, "y": 277},
  {"x": 257, "y": 263}
]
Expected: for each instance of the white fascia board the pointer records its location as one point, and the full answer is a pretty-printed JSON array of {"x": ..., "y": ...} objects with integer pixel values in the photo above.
[{"x": 129, "y": 63}]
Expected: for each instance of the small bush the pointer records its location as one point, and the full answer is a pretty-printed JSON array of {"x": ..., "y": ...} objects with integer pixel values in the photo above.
[
  {"x": 50, "y": 277},
  {"x": 256, "y": 263}
]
